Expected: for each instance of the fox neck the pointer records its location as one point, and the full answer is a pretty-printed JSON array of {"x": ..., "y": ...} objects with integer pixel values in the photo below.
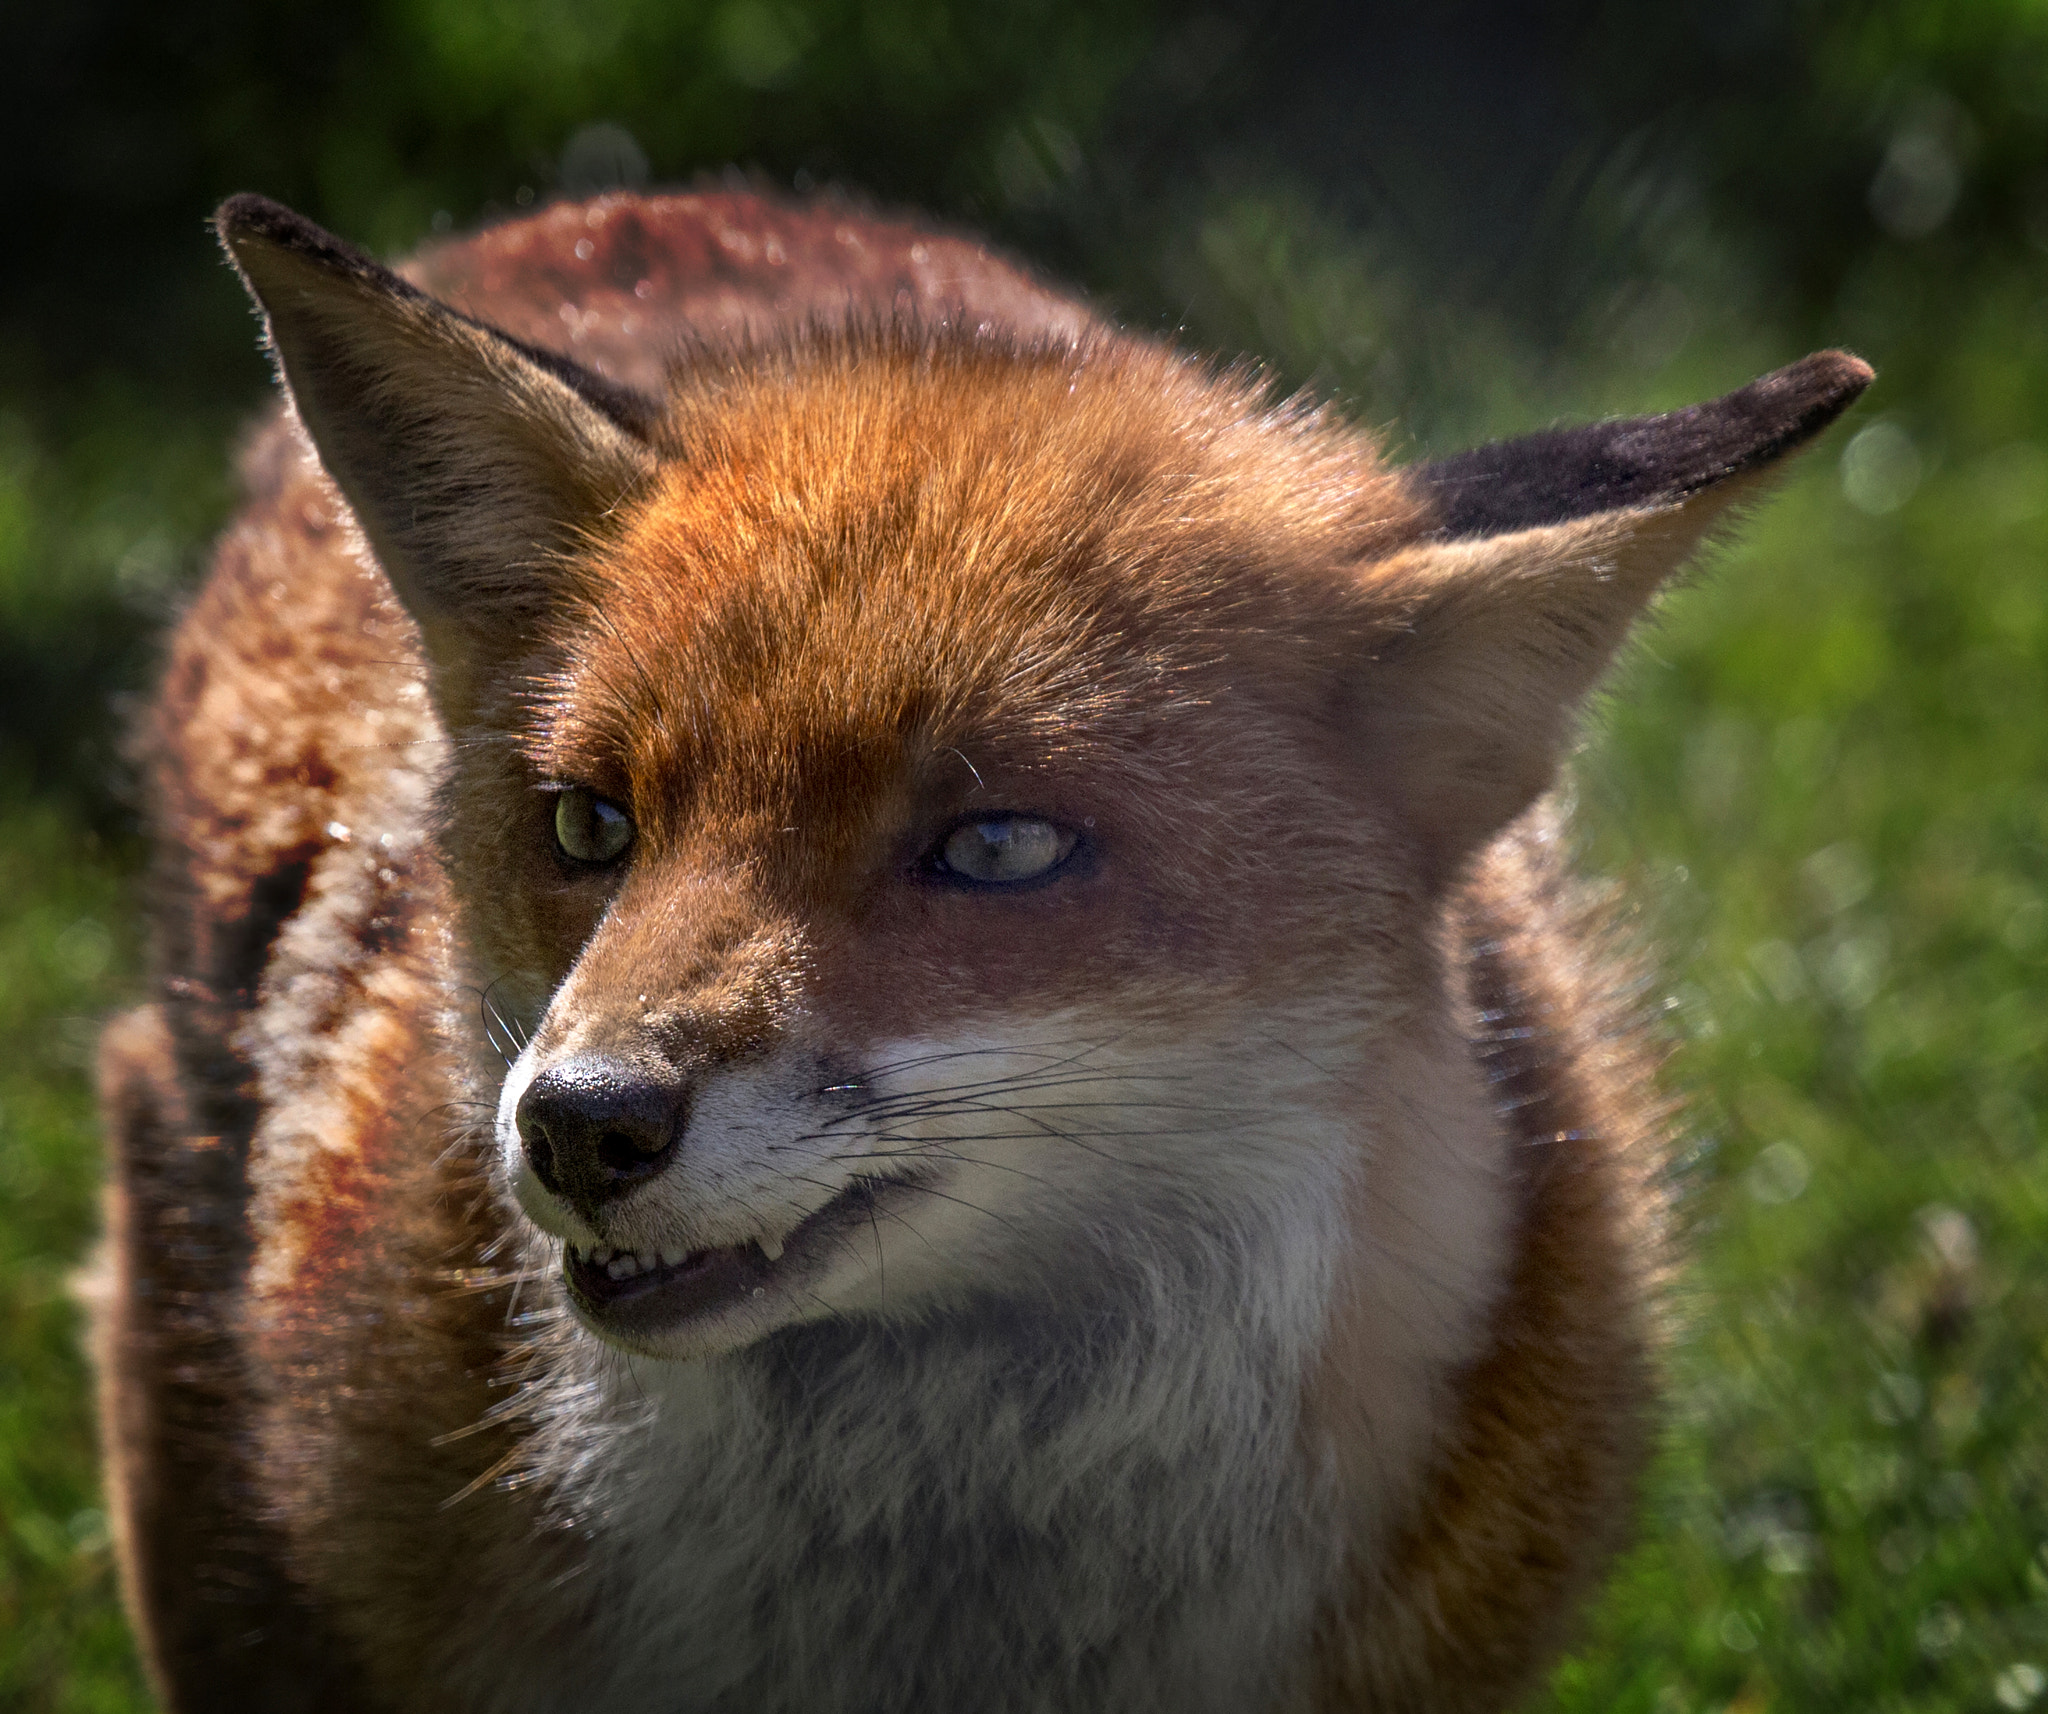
[{"x": 1186, "y": 1446}]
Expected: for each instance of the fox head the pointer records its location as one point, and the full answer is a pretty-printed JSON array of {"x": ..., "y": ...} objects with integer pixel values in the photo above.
[{"x": 955, "y": 814}]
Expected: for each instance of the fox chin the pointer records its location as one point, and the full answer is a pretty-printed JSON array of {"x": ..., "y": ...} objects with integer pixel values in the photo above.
[{"x": 867, "y": 997}]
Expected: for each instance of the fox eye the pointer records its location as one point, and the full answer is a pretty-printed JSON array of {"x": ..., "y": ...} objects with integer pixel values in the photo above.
[
  {"x": 589, "y": 828},
  {"x": 1005, "y": 848}
]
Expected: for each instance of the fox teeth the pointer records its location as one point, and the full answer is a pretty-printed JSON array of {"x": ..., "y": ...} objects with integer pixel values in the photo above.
[
  {"x": 772, "y": 1248},
  {"x": 674, "y": 1257}
]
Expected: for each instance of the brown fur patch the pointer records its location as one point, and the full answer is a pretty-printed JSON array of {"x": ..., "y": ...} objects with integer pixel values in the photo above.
[
  {"x": 203, "y": 1568},
  {"x": 619, "y": 282}
]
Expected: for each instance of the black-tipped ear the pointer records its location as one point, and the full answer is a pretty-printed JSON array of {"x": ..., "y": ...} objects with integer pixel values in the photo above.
[
  {"x": 1544, "y": 551},
  {"x": 1639, "y": 461},
  {"x": 475, "y": 464}
]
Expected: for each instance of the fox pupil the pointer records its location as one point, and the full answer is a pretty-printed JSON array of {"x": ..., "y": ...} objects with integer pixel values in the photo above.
[
  {"x": 1009, "y": 848},
  {"x": 588, "y": 828}
]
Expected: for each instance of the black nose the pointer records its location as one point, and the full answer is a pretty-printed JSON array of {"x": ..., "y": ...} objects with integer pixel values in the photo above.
[{"x": 594, "y": 1127}]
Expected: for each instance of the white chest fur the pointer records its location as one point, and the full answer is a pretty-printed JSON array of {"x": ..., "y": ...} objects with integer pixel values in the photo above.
[
  {"x": 950, "y": 1516},
  {"x": 1099, "y": 1492}
]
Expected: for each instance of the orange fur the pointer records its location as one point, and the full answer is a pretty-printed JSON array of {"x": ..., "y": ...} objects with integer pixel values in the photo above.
[{"x": 903, "y": 539}]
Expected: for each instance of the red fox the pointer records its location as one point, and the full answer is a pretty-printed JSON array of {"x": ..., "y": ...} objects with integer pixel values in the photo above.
[{"x": 864, "y": 1001}]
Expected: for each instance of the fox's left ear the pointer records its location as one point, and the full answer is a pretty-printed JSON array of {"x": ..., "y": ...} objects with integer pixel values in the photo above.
[
  {"x": 1537, "y": 556},
  {"x": 474, "y": 463}
]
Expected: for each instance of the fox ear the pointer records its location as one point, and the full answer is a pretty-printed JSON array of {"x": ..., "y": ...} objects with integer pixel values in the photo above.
[
  {"x": 473, "y": 462},
  {"x": 1543, "y": 553}
]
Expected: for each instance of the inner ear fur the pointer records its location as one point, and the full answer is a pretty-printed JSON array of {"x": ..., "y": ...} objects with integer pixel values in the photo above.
[
  {"x": 474, "y": 464},
  {"x": 1495, "y": 626}
]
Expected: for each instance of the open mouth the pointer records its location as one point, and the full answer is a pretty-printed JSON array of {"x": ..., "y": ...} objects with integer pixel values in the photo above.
[
  {"x": 700, "y": 1281},
  {"x": 646, "y": 1291}
]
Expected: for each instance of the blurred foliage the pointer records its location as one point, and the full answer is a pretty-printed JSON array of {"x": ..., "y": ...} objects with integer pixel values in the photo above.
[{"x": 1822, "y": 775}]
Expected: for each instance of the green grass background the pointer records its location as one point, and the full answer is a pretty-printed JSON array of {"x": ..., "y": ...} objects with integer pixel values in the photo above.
[{"x": 1817, "y": 781}]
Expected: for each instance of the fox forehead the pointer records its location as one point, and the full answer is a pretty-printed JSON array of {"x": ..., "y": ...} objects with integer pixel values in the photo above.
[
  {"x": 872, "y": 591},
  {"x": 892, "y": 554}
]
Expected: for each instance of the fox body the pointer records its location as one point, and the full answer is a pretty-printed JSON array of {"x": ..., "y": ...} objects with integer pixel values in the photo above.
[{"x": 865, "y": 1002}]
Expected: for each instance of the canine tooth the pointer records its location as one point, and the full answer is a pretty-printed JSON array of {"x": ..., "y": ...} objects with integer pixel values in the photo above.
[{"x": 772, "y": 1249}]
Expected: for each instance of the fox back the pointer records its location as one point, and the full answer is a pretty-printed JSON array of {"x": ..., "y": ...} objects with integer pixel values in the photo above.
[{"x": 866, "y": 1001}]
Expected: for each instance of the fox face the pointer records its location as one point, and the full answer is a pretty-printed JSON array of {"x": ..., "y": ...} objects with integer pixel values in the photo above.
[
  {"x": 900, "y": 903},
  {"x": 1024, "y": 981}
]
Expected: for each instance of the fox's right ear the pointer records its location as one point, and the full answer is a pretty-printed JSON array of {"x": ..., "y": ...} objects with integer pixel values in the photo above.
[{"x": 474, "y": 463}]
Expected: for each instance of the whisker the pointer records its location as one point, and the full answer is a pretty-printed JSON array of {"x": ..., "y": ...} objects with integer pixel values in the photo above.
[
  {"x": 971, "y": 1096},
  {"x": 483, "y": 1480},
  {"x": 1062, "y": 1071},
  {"x": 933, "y": 1155},
  {"x": 986, "y": 1213},
  {"x": 900, "y": 1220},
  {"x": 510, "y": 1026},
  {"x": 980, "y": 1105},
  {"x": 836, "y": 1314},
  {"x": 890, "y": 1067}
]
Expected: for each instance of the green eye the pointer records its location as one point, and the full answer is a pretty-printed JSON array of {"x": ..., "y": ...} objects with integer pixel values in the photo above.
[
  {"x": 588, "y": 828},
  {"x": 1005, "y": 848}
]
